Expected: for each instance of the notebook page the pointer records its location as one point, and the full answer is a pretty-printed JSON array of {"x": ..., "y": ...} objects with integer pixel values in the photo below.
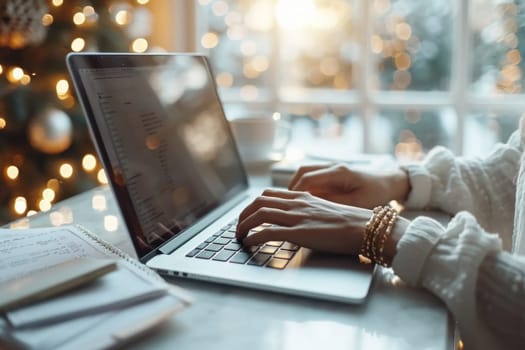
[{"x": 23, "y": 251}]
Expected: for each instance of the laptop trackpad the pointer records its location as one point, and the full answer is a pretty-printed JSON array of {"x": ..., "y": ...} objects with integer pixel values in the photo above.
[{"x": 335, "y": 261}]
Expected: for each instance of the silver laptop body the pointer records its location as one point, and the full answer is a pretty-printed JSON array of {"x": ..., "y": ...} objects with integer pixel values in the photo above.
[{"x": 167, "y": 149}]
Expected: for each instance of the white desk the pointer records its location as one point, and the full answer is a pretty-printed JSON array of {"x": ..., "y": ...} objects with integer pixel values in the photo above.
[{"x": 394, "y": 316}]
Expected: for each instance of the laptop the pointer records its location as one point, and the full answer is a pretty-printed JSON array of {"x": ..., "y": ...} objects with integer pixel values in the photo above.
[{"x": 161, "y": 133}]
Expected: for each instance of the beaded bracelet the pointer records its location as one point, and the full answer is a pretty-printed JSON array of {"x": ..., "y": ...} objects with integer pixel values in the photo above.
[
  {"x": 380, "y": 233},
  {"x": 377, "y": 230},
  {"x": 366, "y": 246}
]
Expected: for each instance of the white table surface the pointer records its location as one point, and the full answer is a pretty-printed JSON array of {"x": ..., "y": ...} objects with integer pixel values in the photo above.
[{"x": 393, "y": 317}]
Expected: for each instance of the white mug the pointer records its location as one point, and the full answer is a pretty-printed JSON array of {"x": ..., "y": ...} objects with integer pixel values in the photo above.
[{"x": 260, "y": 137}]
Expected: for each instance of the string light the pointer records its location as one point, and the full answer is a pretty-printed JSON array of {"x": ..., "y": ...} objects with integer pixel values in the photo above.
[
  {"x": 220, "y": 8},
  {"x": 15, "y": 74},
  {"x": 101, "y": 177},
  {"x": 89, "y": 11},
  {"x": 403, "y": 31},
  {"x": 66, "y": 170},
  {"x": 79, "y": 18},
  {"x": 89, "y": 162},
  {"x": 260, "y": 63},
  {"x": 53, "y": 184},
  {"x": 209, "y": 40},
  {"x": 122, "y": 17},
  {"x": 249, "y": 72},
  {"x": 20, "y": 205},
  {"x": 12, "y": 172},
  {"x": 44, "y": 205},
  {"x": 47, "y": 19},
  {"x": 25, "y": 80},
  {"x": 78, "y": 44},
  {"x": 31, "y": 212},
  {"x": 139, "y": 45},
  {"x": 224, "y": 79},
  {"x": 402, "y": 61},
  {"x": 48, "y": 194},
  {"x": 62, "y": 89},
  {"x": 514, "y": 57}
]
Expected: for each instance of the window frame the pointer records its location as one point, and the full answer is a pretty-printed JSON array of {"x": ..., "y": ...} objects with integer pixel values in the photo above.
[{"x": 362, "y": 99}]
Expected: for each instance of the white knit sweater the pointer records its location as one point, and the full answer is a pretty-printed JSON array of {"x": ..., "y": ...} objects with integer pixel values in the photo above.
[{"x": 476, "y": 264}]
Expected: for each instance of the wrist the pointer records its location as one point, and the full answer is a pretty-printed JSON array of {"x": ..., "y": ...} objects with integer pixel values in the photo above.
[
  {"x": 382, "y": 232},
  {"x": 391, "y": 243},
  {"x": 400, "y": 185}
]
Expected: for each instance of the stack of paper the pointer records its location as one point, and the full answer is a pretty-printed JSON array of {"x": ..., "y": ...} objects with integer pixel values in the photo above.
[{"x": 100, "y": 314}]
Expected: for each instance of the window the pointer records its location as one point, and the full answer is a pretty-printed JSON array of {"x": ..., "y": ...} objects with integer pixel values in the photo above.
[{"x": 395, "y": 76}]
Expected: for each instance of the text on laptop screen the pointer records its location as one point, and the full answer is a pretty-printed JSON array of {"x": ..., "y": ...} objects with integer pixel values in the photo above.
[{"x": 167, "y": 142}]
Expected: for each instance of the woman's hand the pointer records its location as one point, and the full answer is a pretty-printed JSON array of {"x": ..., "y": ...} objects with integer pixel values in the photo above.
[
  {"x": 309, "y": 221},
  {"x": 339, "y": 183}
]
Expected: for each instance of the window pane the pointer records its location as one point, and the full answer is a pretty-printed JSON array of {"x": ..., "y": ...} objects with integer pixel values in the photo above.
[
  {"x": 484, "y": 129},
  {"x": 410, "y": 134},
  {"x": 411, "y": 43},
  {"x": 239, "y": 39},
  {"x": 318, "y": 43},
  {"x": 497, "y": 43},
  {"x": 326, "y": 133}
]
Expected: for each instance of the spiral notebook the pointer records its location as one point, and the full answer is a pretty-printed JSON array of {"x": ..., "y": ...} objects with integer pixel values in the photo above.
[{"x": 52, "y": 323}]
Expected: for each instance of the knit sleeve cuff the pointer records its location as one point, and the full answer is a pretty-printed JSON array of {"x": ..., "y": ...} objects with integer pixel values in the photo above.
[
  {"x": 421, "y": 184},
  {"x": 414, "y": 247}
]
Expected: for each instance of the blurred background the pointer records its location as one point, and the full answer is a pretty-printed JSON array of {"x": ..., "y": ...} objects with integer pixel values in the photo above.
[{"x": 372, "y": 76}]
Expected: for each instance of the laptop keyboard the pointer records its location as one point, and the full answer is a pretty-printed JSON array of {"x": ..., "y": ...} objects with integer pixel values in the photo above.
[{"x": 223, "y": 247}]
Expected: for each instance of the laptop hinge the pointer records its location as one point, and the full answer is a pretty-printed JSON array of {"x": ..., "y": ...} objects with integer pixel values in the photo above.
[{"x": 200, "y": 225}]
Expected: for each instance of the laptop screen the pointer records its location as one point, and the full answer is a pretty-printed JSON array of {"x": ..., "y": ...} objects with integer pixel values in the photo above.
[{"x": 163, "y": 138}]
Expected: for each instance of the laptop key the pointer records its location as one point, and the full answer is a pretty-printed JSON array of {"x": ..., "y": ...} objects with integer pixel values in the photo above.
[
  {"x": 202, "y": 245},
  {"x": 268, "y": 249},
  {"x": 274, "y": 243},
  {"x": 193, "y": 253},
  {"x": 277, "y": 263},
  {"x": 259, "y": 259},
  {"x": 210, "y": 239},
  {"x": 214, "y": 247},
  {"x": 222, "y": 241},
  {"x": 205, "y": 254},
  {"x": 233, "y": 246},
  {"x": 228, "y": 234},
  {"x": 284, "y": 254},
  {"x": 290, "y": 246},
  {"x": 241, "y": 257},
  {"x": 224, "y": 255}
]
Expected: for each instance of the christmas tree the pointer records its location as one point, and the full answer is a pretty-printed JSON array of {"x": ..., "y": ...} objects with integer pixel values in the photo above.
[{"x": 46, "y": 153}]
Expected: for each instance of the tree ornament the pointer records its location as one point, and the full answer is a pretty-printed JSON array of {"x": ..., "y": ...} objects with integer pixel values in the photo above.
[
  {"x": 51, "y": 131},
  {"x": 21, "y": 22}
]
